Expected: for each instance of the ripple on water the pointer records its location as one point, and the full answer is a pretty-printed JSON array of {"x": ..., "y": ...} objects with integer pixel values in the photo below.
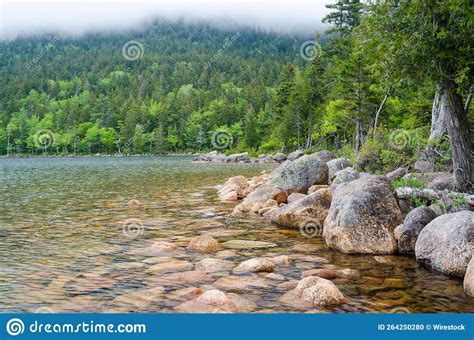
[{"x": 71, "y": 242}]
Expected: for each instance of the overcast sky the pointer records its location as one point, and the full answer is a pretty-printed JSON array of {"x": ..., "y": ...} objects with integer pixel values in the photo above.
[{"x": 19, "y": 18}]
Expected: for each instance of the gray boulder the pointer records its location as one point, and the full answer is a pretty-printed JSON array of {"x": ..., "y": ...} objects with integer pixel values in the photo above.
[
  {"x": 423, "y": 166},
  {"x": 336, "y": 165},
  {"x": 325, "y": 155},
  {"x": 446, "y": 243},
  {"x": 344, "y": 176},
  {"x": 257, "y": 199},
  {"x": 469, "y": 279},
  {"x": 396, "y": 174},
  {"x": 279, "y": 157},
  {"x": 299, "y": 175},
  {"x": 414, "y": 222},
  {"x": 308, "y": 212},
  {"x": 295, "y": 155},
  {"x": 295, "y": 197},
  {"x": 362, "y": 217},
  {"x": 238, "y": 158}
]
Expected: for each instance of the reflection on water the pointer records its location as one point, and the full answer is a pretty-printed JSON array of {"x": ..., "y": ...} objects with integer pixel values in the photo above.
[{"x": 69, "y": 242}]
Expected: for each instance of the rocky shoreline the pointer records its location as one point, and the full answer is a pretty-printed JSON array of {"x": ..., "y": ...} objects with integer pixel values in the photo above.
[{"x": 357, "y": 213}]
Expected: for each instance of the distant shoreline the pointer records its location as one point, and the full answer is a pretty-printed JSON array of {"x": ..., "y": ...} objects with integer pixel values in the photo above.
[{"x": 18, "y": 156}]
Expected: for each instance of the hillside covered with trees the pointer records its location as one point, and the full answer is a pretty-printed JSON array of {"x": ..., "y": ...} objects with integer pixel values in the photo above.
[{"x": 392, "y": 84}]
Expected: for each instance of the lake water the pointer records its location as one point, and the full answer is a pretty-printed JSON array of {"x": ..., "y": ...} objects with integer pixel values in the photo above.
[{"x": 69, "y": 242}]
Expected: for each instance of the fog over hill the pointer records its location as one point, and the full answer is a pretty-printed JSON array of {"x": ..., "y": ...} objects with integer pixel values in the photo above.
[{"x": 76, "y": 18}]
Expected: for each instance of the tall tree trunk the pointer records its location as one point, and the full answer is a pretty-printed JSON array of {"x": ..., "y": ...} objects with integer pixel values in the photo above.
[
  {"x": 358, "y": 137},
  {"x": 438, "y": 125},
  {"x": 459, "y": 134},
  {"x": 377, "y": 115},
  {"x": 468, "y": 100},
  {"x": 438, "y": 112}
]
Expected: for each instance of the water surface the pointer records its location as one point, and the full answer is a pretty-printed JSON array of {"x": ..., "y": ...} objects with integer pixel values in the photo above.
[{"x": 69, "y": 242}]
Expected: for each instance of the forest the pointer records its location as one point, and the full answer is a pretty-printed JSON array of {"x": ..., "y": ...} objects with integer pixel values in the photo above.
[{"x": 389, "y": 83}]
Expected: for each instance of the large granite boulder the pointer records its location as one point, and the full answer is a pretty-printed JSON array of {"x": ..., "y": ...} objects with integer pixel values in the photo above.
[
  {"x": 299, "y": 175},
  {"x": 238, "y": 158},
  {"x": 414, "y": 222},
  {"x": 311, "y": 209},
  {"x": 234, "y": 188},
  {"x": 336, "y": 165},
  {"x": 279, "y": 157},
  {"x": 362, "y": 217},
  {"x": 325, "y": 155},
  {"x": 344, "y": 176},
  {"x": 469, "y": 279},
  {"x": 295, "y": 155},
  {"x": 257, "y": 199},
  {"x": 447, "y": 242}
]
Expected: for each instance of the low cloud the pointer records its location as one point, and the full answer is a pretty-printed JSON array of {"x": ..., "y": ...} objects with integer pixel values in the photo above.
[{"x": 73, "y": 18}]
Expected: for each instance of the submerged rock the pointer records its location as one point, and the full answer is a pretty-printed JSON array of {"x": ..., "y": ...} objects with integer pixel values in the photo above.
[
  {"x": 314, "y": 291},
  {"x": 362, "y": 217},
  {"x": 169, "y": 265},
  {"x": 299, "y": 175},
  {"x": 255, "y": 265},
  {"x": 240, "y": 283},
  {"x": 246, "y": 244},
  {"x": 414, "y": 222},
  {"x": 446, "y": 243},
  {"x": 212, "y": 301},
  {"x": 204, "y": 244},
  {"x": 211, "y": 265},
  {"x": 324, "y": 273}
]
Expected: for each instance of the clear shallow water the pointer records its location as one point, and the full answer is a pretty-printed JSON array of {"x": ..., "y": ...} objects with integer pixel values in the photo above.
[{"x": 70, "y": 243}]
